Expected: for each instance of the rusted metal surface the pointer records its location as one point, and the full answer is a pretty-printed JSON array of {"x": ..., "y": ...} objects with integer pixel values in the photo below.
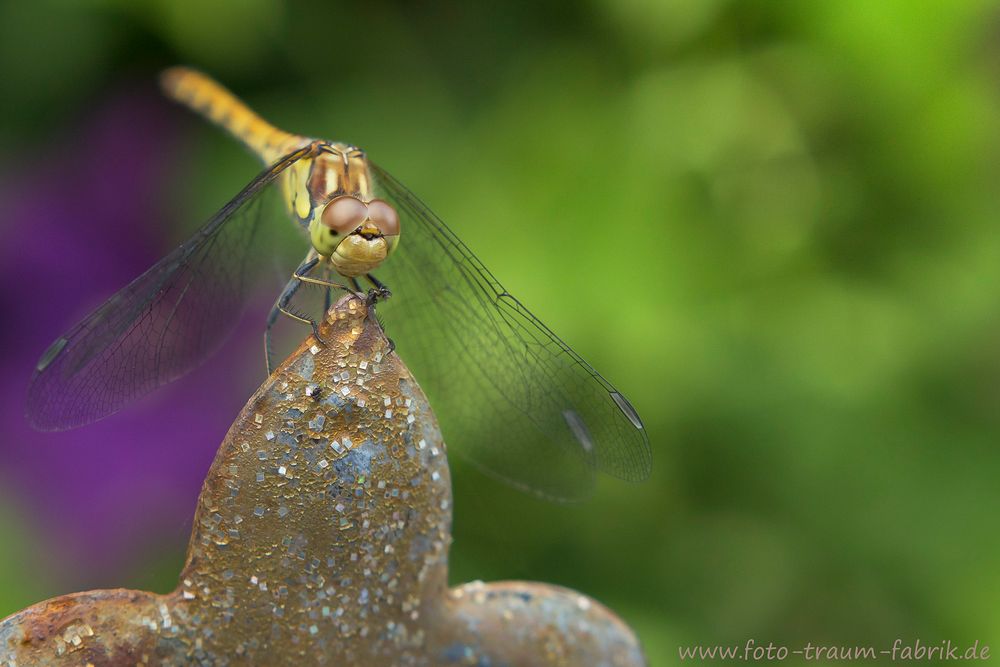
[{"x": 321, "y": 537}]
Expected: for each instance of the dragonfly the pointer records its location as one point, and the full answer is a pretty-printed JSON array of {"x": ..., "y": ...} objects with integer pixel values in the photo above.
[{"x": 533, "y": 413}]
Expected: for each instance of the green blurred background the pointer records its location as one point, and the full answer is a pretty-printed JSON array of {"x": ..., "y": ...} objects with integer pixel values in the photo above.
[{"x": 785, "y": 213}]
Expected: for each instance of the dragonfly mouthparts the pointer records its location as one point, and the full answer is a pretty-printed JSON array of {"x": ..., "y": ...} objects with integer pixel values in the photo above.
[{"x": 368, "y": 231}]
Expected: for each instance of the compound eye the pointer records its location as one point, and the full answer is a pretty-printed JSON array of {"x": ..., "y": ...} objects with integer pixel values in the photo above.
[
  {"x": 344, "y": 214},
  {"x": 384, "y": 216}
]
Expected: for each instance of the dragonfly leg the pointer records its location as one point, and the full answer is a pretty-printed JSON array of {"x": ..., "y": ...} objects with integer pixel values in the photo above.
[
  {"x": 278, "y": 308},
  {"x": 327, "y": 291},
  {"x": 302, "y": 275},
  {"x": 299, "y": 277},
  {"x": 381, "y": 291},
  {"x": 304, "y": 320}
]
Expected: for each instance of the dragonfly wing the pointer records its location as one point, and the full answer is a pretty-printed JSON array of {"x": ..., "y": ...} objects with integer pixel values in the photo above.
[
  {"x": 534, "y": 413},
  {"x": 162, "y": 324}
]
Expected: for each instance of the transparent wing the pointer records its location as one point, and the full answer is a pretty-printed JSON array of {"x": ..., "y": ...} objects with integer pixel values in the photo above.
[
  {"x": 532, "y": 411},
  {"x": 163, "y": 323}
]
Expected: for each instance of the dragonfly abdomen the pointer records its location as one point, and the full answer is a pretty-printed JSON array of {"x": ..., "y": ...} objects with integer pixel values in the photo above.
[{"x": 207, "y": 97}]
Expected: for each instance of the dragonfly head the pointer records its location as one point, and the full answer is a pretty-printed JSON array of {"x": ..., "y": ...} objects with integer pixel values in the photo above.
[{"x": 355, "y": 235}]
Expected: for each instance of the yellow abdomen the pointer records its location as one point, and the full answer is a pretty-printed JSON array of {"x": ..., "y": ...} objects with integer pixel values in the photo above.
[{"x": 211, "y": 100}]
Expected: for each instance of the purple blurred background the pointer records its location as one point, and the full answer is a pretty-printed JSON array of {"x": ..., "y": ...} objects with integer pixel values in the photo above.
[{"x": 85, "y": 215}]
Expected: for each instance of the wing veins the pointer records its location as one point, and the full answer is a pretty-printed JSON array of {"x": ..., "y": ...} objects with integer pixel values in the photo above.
[
  {"x": 84, "y": 382},
  {"x": 472, "y": 305}
]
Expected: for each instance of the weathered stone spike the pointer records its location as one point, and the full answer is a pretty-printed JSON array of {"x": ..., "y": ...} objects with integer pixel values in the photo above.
[{"x": 321, "y": 537}]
